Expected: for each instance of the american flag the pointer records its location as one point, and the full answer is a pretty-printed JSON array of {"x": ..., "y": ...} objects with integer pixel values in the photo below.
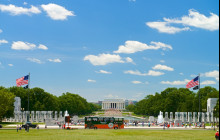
[
  {"x": 194, "y": 82},
  {"x": 22, "y": 81}
]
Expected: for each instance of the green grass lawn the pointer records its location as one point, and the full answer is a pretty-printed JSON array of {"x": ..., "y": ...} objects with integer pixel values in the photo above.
[{"x": 123, "y": 134}]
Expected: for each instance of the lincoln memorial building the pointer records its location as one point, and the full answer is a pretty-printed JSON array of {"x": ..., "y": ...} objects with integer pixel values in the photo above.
[{"x": 118, "y": 104}]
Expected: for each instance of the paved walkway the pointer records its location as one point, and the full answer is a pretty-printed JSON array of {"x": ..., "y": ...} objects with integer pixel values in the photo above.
[{"x": 129, "y": 127}]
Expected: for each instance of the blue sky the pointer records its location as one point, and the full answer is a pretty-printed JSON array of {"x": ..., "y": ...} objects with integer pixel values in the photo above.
[{"x": 109, "y": 48}]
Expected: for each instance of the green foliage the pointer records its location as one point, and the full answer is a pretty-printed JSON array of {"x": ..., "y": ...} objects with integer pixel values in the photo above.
[
  {"x": 205, "y": 93},
  {"x": 174, "y": 100},
  {"x": 216, "y": 112},
  {"x": 40, "y": 100},
  {"x": 75, "y": 104},
  {"x": 6, "y": 103},
  {"x": 130, "y": 107}
]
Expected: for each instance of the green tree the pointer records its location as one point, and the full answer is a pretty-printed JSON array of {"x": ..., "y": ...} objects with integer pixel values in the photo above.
[
  {"x": 6, "y": 103},
  {"x": 205, "y": 93},
  {"x": 130, "y": 108},
  {"x": 75, "y": 104},
  {"x": 217, "y": 109}
]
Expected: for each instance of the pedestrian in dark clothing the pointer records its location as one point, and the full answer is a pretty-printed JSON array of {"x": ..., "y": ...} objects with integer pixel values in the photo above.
[
  {"x": 17, "y": 128},
  {"x": 27, "y": 127}
]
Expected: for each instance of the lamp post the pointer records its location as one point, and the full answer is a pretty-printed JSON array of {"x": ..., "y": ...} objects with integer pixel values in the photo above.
[{"x": 22, "y": 110}]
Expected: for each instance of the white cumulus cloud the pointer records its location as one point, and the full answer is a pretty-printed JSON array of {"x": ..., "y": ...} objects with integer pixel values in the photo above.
[
  {"x": 42, "y": 47},
  {"x": 208, "y": 82},
  {"x": 103, "y": 59},
  {"x": 19, "y": 45},
  {"x": 103, "y": 72},
  {"x": 176, "y": 82},
  {"x": 129, "y": 60},
  {"x": 163, "y": 67},
  {"x": 135, "y": 46},
  {"x": 3, "y": 41},
  {"x": 155, "y": 73},
  {"x": 14, "y": 10},
  {"x": 135, "y": 73},
  {"x": 198, "y": 20},
  {"x": 150, "y": 73},
  {"x": 91, "y": 81},
  {"x": 57, "y": 60},
  {"x": 136, "y": 82},
  {"x": 213, "y": 74},
  {"x": 57, "y": 12},
  {"x": 35, "y": 60},
  {"x": 164, "y": 27},
  {"x": 11, "y": 65},
  {"x": 193, "y": 19}
]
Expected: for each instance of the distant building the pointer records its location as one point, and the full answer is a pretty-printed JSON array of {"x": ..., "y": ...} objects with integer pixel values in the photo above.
[
  {"x": 211, "y": 103},
  {"x": 118, "y": 104},
  {"x": 17, "y": 104},
  {"x": 99, "y": 102},
  {"x": 130, "y": 102}
]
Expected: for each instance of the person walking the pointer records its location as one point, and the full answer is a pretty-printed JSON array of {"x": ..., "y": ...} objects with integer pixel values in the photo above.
[
  {"x": 27, "y": 127},
  {"x": 17, "y": 128},
  {"x": 217, "y": 135}
]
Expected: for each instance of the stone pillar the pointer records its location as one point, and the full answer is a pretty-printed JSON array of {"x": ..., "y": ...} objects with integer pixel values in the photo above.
[
  {"x": 171, "y": 116},
  {"x": 36, "y": 116},
  {"x": 60, "y": 116},
  {"x": 208, "y": 117},
  {"x": 55, "y": 115},
  {"x": 24, "y": 116},
  {"x": 32, "y": 116},
  {"x": 166, "y": 115},
  {"x": 212, "y": 117},
  {"x": 176, "y": 116},
  {"x": 27, "y": 115},
  {"x": 190, "y": 117},
  {"x": 185, "y": 117},
  {"x": 203, "y": 117},
  {"x": 166, "y": 119},
  {"x": 15, "y": 116},
  {"x": 199, "y": 117},
  {"x": 41, "y": 116},
  {"x": 196, "y": 117}
]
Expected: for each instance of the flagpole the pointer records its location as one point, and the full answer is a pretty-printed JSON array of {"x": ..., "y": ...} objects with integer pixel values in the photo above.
[
  {"x": 199, "y": 99},
  {"x": 28, "y": 97}
]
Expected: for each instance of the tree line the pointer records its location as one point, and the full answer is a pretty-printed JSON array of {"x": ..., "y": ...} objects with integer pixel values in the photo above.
[
  {"x": 175, "y": 100},
  {"x": 40, "y": 100}
]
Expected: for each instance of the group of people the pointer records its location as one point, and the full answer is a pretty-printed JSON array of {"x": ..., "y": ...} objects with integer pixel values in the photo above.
[{"x": 19, "y": 127}]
